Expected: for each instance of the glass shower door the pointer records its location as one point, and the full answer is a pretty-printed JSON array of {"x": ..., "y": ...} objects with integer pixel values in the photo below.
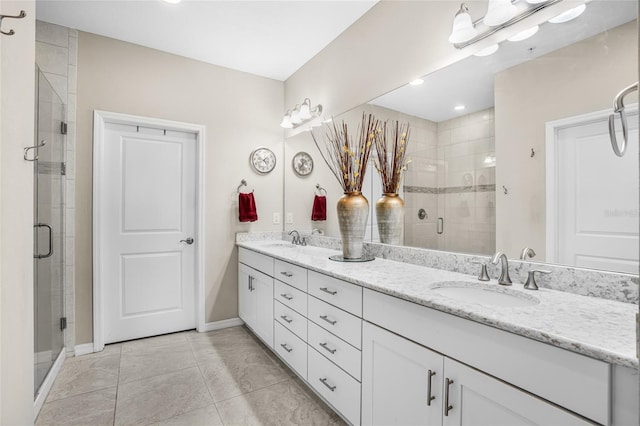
[{"x": 49, "y": 182}]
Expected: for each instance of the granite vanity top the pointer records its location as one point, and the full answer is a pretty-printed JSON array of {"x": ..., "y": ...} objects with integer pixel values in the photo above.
[{"x": 599, "y": 328}]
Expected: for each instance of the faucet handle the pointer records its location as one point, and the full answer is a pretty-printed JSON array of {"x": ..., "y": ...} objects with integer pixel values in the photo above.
[
  {"x": 484, "y": 276},
  {"x": 531, "y": 278}
]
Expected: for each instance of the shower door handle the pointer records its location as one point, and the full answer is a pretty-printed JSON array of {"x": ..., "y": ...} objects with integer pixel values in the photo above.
[{"x": 50, "y": 252}]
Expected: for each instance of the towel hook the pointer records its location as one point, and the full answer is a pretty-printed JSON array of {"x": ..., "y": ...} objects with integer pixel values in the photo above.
[
  {"x": 242, "y": 183},
  {"x": 618, "y": 108},
  {"x": 320, "y": 189},
  {"x": 42, "y": 143},
  {"x": 21, "y": 15}
]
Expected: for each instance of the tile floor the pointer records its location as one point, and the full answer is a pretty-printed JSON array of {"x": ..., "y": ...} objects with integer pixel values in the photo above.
[{"x": 225, "y": 377}]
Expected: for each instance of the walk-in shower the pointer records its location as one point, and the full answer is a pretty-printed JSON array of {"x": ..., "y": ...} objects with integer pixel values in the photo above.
[{"x": 48, "y": 156}]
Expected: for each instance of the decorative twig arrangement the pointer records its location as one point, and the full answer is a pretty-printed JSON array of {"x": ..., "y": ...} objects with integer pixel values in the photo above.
[
  {"x": 346, "y": 156},
  {"x": 391, "y": 152}
]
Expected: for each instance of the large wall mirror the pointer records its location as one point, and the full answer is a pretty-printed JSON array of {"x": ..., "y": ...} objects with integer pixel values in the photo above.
[{"x": 512, "y": 150}]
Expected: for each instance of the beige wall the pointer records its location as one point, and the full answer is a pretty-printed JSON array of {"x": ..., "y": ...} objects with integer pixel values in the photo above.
[
  {"x": 17, "y": 57},
  {"x": 241, "y": 112},
  {"x": 575, "y": 80}
]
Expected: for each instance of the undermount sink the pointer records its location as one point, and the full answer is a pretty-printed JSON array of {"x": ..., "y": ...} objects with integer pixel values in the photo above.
[
  {"x": 483, "y": 294},
  {"x": 281, "y": 244}
]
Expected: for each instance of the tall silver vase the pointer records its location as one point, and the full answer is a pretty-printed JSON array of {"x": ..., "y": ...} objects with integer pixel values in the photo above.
[
  {"x": 353, "y": 212},
  {"x": 390, "y": 215}
]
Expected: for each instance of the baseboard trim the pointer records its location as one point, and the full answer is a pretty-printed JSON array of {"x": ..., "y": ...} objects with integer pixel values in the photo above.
[
  {"x": 47, "y": 384},
  {"x": 218, "y": 325},
  {"x": 84, "y": 349}
]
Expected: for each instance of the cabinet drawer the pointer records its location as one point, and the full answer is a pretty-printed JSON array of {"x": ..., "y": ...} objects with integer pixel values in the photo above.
[
  {"x": 291, "y": 297},
  {"x": 337, "y": 350},
  {"x": 291, "y": 349},
  {"x": 291, "y": 274},
  {"x": 337, "y": 321},
  {"x": 337, "y": 387},
  {"x": 291, "y": 320},
  {"x": 339, "y": 293},
  {"x": 257, "y": 261}
]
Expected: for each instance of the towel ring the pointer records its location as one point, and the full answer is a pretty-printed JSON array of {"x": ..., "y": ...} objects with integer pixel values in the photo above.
[
  {"x": 242, "y": 183},
  {"x": 319, "y": 189},
  {"x": 619, "y": 148}
]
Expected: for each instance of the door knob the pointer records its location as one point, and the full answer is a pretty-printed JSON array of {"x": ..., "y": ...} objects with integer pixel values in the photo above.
[{"x": 188, "y": 241}]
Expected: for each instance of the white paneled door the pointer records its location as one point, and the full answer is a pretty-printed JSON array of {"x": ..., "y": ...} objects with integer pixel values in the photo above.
[
  {"x": 147, "y": 229},
  {"x": 597, "y": 198}
]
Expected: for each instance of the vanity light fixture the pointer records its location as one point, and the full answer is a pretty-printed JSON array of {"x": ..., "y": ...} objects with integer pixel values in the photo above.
[
  {"x": 523, "y": 35},
  {"x": 500, "y": 14},
  {"x": 568, "y": 15},
  {"x": 301, "y": 114},
  {"x": 417, "y": 82},
  {"x": 487, "y": 50},
  {"x": 172, "y": 1},
  {"x": 459, "y": 107}
]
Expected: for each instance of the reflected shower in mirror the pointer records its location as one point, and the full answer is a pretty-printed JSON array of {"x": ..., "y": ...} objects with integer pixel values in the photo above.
[{"x": 512, "y": 150}]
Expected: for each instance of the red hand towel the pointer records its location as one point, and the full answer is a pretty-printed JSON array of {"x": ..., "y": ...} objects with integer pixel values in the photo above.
[
  {"x": 319, "y": 211},
  {"x": 247, "y": 207}
]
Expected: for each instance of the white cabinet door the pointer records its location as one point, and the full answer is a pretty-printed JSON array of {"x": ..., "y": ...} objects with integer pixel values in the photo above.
[
  {"x": 263, "y": 294},
  {"x": 246, "y": 301},
  {"x": 401, "y": 381},
  {"x": 473, "y": 398}
]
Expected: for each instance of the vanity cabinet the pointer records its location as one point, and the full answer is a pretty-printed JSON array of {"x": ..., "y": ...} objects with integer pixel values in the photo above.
[
  {"x": 255, "y": 294},
  {"x": 437, "y": 390}
]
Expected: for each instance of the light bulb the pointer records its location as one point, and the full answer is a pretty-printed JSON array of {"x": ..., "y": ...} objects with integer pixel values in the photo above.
[
  {"x": 499, "y": 12},
  {"x": 487, "y": 50},
  {"x": 463, "y": 29},
  {"x": 568, "y": 15},
  {"x": 523, "y": 35}
]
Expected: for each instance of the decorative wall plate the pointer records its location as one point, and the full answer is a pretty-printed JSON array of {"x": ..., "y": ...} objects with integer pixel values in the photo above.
[
  {"x": 302, "y": 164},
  {"x": 263, "y": 160}
]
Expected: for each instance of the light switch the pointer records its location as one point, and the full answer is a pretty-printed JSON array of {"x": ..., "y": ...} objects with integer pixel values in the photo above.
[
  {"x": 289, "y": 218},
  {"x": 276, "y": 218}
]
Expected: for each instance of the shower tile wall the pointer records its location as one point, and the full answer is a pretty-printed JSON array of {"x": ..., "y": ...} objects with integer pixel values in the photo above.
[{"x": 56, "y": 55}]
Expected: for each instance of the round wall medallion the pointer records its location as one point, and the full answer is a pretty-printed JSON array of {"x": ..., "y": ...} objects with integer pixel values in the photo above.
[
  {"x": 302, "y": 164},
  {"x": 263, "y": 160}
]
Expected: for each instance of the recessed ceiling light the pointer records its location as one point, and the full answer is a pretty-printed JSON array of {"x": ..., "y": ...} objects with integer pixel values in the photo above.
[
  {"x": 523, "y": 35},
  {"x": 568, "y": 15},
  {"x": 487, "y": 50},
  {"x": 417, "y": 82},
  {"x": 172, "y": 1},
  {"x": 459, "y": 107}
]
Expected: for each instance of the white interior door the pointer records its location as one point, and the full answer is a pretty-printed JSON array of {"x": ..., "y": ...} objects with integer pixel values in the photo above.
[
  {"x": 148, "y": 201},
  {"x": 597, "y": 198}
]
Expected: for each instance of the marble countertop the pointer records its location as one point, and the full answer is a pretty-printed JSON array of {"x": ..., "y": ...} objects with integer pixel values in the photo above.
[{"x": 599, "y": 328}]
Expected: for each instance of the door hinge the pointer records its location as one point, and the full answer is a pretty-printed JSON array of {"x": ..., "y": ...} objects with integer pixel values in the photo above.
[
  {"x": 63, "y": 323},
  {"x": 63, "y": 169},
  {"x": 63, "y": 127}
]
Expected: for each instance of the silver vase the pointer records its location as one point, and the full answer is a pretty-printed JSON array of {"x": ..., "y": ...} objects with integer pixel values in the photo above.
[
  {"x": 353, "y": 212},
  {"x": 390, "y": 215}
]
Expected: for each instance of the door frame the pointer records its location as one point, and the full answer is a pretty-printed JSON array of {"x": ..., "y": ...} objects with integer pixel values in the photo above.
[
  {"x": 552, "y": 128},
  {"x": 100, "y": 119}
]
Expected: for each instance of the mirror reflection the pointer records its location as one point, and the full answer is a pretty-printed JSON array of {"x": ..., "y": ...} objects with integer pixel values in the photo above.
[{"x": 511, "y": 151}]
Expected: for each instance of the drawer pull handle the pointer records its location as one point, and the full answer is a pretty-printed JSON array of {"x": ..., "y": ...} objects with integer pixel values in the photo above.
[
  {"x": 287, "y": 296},
  {"x": 447, "y": 406},
  {"x": 429, "y": 397},
  {"x": 324, "y": 382},
  {"x": 324, "y": 317},
  {"x": 326, "y": 290},
  {"x": 286, "y": 318},
  {"x": 287, "y": 274},
  {"x": 327, "y": 348},
  {"x": 286, "y": 348}
]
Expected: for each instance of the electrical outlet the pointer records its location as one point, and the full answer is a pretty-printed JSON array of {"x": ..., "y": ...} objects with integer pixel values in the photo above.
[
  {"x": 276, "y": 218},
  {"x": 289, "y": 218}
]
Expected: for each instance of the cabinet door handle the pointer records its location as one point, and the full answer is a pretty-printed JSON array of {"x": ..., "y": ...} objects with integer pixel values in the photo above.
[
  {"x": 286, "y": 296},
  {"x": 324, "y": 382},
  {"x": 326, "y": 318},
  {"x": 250, "y": 283},
  {"x": 326, "y": 290},
  {"x": 327, "y": 348},
  {"x": 447, "y": 407},
  {"x": 429, "y": 397},
  {"x": 286, "y": 348},
  {"x": 287, "y": 274},
  {"x": 286, "y": 318}
]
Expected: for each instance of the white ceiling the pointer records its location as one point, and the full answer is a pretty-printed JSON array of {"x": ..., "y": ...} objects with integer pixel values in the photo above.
[
  {"x": 470, "y": 82},
  {"x": 268, "y": 38}
]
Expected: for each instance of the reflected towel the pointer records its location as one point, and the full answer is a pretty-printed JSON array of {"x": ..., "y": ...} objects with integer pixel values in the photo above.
[
  {"x": 247, "y": 207},
  {"x": 319, "y": 211}
]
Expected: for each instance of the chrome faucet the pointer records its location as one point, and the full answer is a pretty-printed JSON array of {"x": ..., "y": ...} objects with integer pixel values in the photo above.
[
  {"x": 318, "y": 230},
  {"x": 504, "y": 279},
  {"x": 296, "y": 237},
  {"x": 527, "y": 252}
]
